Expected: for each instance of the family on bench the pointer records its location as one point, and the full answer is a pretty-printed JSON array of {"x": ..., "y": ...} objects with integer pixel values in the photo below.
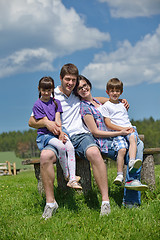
[{"x": 68, "y": 118}]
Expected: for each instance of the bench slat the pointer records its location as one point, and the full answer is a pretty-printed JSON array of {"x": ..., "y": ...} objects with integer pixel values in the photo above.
[{"x": 151, "y": 151}]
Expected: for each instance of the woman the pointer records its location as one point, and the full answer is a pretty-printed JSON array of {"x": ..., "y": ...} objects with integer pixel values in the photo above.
[
  {"x": 95, "y": 123},
  {"x": 92, "y": 116}
]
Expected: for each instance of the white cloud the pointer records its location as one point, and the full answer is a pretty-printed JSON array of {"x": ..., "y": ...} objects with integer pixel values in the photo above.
[
  {"x": 37, "y": 25},
  {"x": 27, "y": 60},
  {"x": 132, "y": 64},
  {"x": 131, "y": 9}
]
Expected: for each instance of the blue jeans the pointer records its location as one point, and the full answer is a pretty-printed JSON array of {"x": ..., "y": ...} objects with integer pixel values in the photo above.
[
  {"x": 82, "y": 142},
  {"x": 130, "y": 196}
]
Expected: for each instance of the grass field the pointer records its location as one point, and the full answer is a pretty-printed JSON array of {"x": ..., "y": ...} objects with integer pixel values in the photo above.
[
  {"x": 78, "y": 215},
  {"x": 11, "y": 157}
]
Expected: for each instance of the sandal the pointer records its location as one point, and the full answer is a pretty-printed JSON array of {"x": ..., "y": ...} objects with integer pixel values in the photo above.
[
  {"x": 77, "y": 178},
  {"x": 74, "y": 184}
]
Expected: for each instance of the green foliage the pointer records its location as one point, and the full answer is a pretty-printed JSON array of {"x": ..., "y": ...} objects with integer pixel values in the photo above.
[
  {"x": 78, "y": 215},
  {"x": 151, "y": 130},
  {"x": 24, "y": 143}
]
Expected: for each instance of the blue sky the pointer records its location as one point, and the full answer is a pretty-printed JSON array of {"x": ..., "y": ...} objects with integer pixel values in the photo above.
[{"x": 103, "y": 38}]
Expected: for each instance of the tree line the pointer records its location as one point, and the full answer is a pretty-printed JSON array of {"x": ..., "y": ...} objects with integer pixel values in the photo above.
[{"x": 24, "y": 143}]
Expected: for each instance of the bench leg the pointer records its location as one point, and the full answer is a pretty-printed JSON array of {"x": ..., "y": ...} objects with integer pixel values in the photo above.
[
  {"x": 148, "y": 173},
  {"x": 39, "y": 179},
  {"x": 82, "y": 170},
  {"x": 62, "y": 184}
]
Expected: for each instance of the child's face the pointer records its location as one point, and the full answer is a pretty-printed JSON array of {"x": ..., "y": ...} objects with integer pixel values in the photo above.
[
  {"x": 114, "y": 94},
  {"x": 46, "y": 94}
]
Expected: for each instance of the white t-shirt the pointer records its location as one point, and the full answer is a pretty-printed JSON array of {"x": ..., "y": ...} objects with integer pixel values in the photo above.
[
  {"x": 71, "y": 117},
  {"x": 116, "y": 112}
]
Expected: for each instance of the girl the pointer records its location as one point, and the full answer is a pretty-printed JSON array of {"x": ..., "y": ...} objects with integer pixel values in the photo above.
[{"x": 48, "y": 107}]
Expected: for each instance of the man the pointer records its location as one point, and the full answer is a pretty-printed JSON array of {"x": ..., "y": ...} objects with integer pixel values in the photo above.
[{"x": 82, "y": 140}]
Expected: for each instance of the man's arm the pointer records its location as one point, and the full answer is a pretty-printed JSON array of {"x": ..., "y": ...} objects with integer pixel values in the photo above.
[
  {"x": 44, "y": 122},
  {"x": 102, "y": 100}
]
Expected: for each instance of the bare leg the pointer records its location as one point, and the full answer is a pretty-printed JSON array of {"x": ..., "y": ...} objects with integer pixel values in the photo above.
[
  {"x": 132, "y": 147},
  {"x": 120, "y": 159},
  {"x": 47, "y": 159},
  {"x": 99, "y": 171}
]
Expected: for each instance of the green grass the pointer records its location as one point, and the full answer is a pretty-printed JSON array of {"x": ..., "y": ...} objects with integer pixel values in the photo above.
[{"x": 78, "y": 215}]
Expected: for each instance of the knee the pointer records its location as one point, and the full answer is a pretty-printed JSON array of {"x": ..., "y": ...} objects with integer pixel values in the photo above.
[
  {"x": 47, "y": 156},
  {"x": 122, "y": 152},
  {"x": 93, "y": 154}
]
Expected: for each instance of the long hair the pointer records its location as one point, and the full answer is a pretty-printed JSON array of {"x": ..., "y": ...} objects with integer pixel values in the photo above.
[
  {"x": 47, "y": 83},
  {"x": 81, "y": 77}
]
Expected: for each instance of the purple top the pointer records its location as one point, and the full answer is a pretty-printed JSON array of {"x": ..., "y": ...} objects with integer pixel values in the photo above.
[
  {"x": 46, "y": 109},
  {"x": 89, "y": 108}
]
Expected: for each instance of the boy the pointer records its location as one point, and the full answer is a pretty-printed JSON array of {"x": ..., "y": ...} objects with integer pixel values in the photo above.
[{"x": 116, "y": 118}]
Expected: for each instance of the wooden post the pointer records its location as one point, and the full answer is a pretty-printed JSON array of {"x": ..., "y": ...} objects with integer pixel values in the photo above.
[
  {"x": 39, "y": 178},
  {"x": 14, "y": 169},
  {"x": 9, "y": 168},
  {"x": 147, "y": 173},
  {"x": 82, "y": 170}
]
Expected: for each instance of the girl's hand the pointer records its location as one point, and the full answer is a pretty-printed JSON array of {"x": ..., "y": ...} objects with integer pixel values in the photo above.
[{"x": 62, "y": 137}]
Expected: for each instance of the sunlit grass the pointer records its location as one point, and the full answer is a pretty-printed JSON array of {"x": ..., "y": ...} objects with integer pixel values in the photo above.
[{"x": 78, "y": 215}]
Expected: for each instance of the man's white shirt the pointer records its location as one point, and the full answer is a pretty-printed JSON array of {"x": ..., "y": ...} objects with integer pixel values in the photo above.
[{"x": 71, "y": 117}]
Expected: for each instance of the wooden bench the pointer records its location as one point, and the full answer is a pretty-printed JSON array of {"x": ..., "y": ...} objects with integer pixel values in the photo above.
[
  {"x": 8, "y": 168},
  {"x": 83, "y": 170}
]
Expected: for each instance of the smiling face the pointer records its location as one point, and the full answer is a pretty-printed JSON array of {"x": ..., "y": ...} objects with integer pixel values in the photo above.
[
  {"x": 68, "y": 82},
  {"x": 46, "y": 94},
  {"x": 83, "y": 89},
  {"x": 114, "y": 94}
]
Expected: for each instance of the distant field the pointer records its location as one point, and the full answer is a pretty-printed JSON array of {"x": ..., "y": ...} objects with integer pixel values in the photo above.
[{"x": 11, "y": 157}]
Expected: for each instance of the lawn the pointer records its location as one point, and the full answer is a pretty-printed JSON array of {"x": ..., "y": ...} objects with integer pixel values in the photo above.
[{"x": 78, "y": 215}]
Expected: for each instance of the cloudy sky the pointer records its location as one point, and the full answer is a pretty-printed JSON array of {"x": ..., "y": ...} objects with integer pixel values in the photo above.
[{"x": 103, "y": 38}]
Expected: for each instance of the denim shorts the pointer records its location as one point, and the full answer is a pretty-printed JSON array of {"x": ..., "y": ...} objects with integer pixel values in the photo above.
[
  {"x": 53, "y": 149},
  {"x": 82, "y": 142},
  {"x": 43, "y": 139}
]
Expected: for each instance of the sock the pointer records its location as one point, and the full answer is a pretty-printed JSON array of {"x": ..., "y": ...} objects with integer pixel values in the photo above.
[
  {"x": 51, "y": 204},
  {"x": 103, "y": 202},
  {"x": 119, "y": 173}
]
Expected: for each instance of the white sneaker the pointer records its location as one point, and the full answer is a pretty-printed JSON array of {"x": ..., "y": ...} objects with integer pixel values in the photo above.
[
  {"x": 48, "y": 211},
  {"x": 118, "y": 180},
  {"x": 135, "y": 164},
  {"x": 105, "y": 209}
]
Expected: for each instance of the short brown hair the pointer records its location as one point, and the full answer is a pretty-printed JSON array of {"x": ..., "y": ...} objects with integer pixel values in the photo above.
[
  {"x": 114, "y": 83},
  {"x": 70, "y": 69}
]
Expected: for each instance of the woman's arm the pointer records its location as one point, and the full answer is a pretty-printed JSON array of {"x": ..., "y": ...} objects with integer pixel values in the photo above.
[
  {"x": 116, "y": 127},
  {"x": 90, "y": 123}
]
